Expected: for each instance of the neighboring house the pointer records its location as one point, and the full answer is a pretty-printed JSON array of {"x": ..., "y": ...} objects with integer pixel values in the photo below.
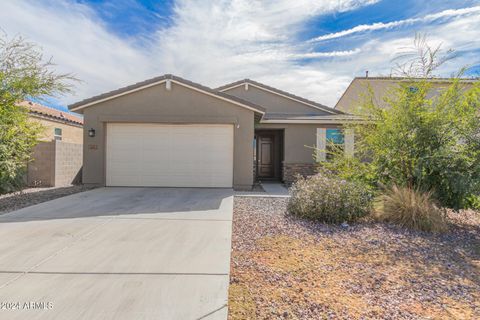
[
  {"x": 359, "y": 89},
  {"x": 170, "y": 132},
  {"x": 57, "y": 158}
]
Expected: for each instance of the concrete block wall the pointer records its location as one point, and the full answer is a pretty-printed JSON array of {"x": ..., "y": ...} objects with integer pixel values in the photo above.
[
  {"x": 41, "y": 171},
  {"x": 68, "y": 163},
  {"x": 55, "y": 164}
]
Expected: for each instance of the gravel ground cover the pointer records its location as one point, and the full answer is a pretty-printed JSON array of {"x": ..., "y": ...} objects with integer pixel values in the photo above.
[
  {"x": 286, "y": 268},
  {"x": 28, "y": 197}
]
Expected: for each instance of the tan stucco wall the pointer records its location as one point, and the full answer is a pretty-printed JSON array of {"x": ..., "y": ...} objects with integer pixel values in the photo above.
[
  {"x": 273, "y": 103},
  {"x": 299, "y": 140},
  {"x": 70, "y": 133},
  {"x": 358, "y": 91},
  {"x": 158, "y": 105}
]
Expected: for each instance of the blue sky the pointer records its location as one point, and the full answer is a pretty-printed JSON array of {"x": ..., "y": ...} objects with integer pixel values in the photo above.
[{"x": 310, "y": 48}]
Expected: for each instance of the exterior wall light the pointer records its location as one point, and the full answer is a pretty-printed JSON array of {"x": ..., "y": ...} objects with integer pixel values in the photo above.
[{"x": 91, "y": 133}]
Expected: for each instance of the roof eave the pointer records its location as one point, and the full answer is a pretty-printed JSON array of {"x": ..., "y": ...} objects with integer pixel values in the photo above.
[
  {"x": 326, "y": 120},
  {"x": 54, "y": 118}
]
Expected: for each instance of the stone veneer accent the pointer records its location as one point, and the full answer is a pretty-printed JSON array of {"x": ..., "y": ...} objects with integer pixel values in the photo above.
[{"x": 291, "y": 170}]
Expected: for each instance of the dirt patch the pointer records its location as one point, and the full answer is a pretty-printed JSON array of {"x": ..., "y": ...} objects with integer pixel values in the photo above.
[
  {"x": 285, "y": 268},
  {"x": 29, "y": 197}
]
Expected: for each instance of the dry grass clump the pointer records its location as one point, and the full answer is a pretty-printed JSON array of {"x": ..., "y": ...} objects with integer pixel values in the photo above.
[
  {"x": 240, "y": 302},
  {"x": 412, "y": 209}
]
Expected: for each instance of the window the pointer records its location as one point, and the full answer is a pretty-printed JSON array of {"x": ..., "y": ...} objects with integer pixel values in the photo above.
[
  {"x": 335, "y": 136},
  {"x": 335, "y": 140},
  {"x": 58, "y": 134}
]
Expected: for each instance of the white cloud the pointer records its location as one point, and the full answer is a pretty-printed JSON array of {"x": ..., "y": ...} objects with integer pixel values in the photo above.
[
  {"x": 213, "y": 43},
  {"x": 78, "y": 43},
  {"x": 344, "y": 53},
  {"x": 394, "y": 24}
]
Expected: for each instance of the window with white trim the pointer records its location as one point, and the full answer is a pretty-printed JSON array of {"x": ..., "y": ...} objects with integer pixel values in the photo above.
[{"x": 329, "y": 139}]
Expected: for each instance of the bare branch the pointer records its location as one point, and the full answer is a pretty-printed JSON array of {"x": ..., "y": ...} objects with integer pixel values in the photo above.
[
  {"x": 24, "y": 73},
  {"x": 421, "y": 60}
]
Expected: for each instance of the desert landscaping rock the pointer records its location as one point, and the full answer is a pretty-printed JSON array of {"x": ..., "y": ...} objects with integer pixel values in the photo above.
[
  {"x": 287, "y": 268},
  {"x": 29, "y": 197}
]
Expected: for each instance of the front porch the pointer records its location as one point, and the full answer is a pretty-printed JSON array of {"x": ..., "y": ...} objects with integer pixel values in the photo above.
[
  {"x": 268, "y": 154},
  {"x": 281, "y": 152}
]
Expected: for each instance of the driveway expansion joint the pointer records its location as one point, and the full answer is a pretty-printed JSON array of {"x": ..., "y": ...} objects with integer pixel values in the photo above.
[{"x": 71, "y": 244}]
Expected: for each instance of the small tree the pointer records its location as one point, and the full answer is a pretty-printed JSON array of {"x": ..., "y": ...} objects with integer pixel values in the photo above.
[
  {"x": 420, "y": 140},
  {"x": 24, "y": 74}
]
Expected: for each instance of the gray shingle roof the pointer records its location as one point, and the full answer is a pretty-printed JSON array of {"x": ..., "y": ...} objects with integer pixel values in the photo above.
[
  {"x": 161, "y": 78},
  {"x": 290, "y": 95}
]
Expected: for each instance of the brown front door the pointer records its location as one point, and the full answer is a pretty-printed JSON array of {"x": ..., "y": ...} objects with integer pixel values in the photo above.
[{"x": 266, "y": 164}]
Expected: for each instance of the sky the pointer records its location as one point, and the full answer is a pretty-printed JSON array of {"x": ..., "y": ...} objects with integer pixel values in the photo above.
[{"x": 310, "y": 48}]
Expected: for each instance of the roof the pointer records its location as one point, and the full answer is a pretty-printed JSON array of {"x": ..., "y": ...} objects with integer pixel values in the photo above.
[
  {"x": 447, "y": 80},
  {"x": 54, "y": 114},
  {"x": 158, "y": 80},
  {"x": 302, "y": 118},
  {"x": 279, "y": 92}
]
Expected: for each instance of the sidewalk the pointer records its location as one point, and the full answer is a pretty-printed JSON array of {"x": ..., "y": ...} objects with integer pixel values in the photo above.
[{"x": 271, "y": 190}]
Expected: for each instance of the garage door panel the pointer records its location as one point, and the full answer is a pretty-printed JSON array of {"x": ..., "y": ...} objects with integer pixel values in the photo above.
[
  {"x": 125, "y": 180},
  {"x": 169, "y": 155}
]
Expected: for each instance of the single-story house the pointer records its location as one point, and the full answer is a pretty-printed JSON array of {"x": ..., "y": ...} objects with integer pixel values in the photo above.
[
  {"x": 171, "y": 132},
  {"x": 57, "y": 158},
  {"x": 380, "y": 87}
]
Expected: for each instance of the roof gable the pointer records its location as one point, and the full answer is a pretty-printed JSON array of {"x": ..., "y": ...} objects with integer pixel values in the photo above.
[
  {"x": 246, "y": 83},
  {"x": 167, "y": 79}
]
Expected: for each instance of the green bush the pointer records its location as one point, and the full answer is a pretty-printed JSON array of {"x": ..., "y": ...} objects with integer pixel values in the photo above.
[
  {"x": 412, "y": 209},
  {"x": 419, "y": 141},
  {"x": 328, "y": 199},
  {"x": 473, "y": 202}
]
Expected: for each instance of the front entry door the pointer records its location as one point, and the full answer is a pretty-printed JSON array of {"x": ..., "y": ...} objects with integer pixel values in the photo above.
[{"x": 265, "y": 157}]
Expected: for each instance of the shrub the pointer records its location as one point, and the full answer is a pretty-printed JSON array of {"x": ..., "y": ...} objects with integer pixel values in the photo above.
[
  {"x": 329, "y": 199},
  {"x": 472, "y": 202},
  {"x": 411, "y": 208}
]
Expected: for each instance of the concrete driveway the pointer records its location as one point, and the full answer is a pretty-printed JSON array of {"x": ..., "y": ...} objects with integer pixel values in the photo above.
[{"x": 118, "y": 253}]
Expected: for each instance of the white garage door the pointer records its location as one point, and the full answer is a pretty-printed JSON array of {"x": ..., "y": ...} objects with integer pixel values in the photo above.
[{"x": 156, "y": 155}]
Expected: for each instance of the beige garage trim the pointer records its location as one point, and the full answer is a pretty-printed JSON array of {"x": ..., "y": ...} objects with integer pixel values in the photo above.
[{"x": 169, "y": 155}]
